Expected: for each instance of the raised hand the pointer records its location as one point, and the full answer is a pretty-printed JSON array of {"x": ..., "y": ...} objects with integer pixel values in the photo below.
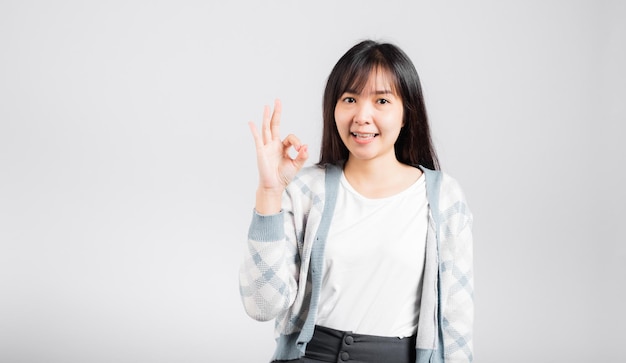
[{"x": 276, "y": 167}]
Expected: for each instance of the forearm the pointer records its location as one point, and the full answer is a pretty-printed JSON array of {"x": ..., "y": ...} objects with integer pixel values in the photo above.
[
  {"x": 267, "y": 282},
  {"x": 459, "y": 311}
]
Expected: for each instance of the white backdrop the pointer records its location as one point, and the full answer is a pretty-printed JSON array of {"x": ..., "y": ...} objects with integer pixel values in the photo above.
[{"x": 127, "y": 171}]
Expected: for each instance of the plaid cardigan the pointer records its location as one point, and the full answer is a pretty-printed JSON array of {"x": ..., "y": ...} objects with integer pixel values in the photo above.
[{"x": 281, "y": 275}]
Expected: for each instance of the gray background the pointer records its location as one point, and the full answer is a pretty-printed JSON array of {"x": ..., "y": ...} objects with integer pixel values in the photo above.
[{"x": 128, "y": 172}]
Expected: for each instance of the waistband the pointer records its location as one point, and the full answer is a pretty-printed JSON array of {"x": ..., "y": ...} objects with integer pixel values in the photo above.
[{"x": 331, "y": 345}]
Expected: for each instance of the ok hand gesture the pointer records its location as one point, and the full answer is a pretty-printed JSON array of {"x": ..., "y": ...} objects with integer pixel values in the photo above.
[{"x": 276, "y": 167}]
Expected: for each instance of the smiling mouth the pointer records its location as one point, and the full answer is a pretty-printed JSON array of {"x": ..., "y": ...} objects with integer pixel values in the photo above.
[{"x": 363, "y": 136}]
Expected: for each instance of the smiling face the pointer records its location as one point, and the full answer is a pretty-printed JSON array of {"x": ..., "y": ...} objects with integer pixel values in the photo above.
[{"x": 369, "y": 120}]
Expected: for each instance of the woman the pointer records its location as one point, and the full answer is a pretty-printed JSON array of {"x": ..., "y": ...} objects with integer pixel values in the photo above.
[{"x": 366, "y": 256}]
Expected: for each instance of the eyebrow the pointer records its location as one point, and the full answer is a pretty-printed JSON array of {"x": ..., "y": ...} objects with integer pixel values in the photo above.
[{"x": 377, "y": 92}]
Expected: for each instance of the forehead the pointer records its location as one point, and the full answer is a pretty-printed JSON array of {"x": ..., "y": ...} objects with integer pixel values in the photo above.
[{"x": 375, "y": 79}]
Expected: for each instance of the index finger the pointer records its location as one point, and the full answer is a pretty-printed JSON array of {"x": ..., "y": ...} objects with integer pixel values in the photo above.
[
  {"x": 275, "y": 121},
  {"x": 255, "y": 134}
]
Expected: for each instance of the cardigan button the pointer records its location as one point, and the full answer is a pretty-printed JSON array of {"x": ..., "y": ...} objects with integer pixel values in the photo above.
[
  {"x": 349, "y": 340},
  {"x": 344, "y": 356}
]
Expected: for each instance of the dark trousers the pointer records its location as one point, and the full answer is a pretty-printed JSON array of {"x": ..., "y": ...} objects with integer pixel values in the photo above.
[{"x": 330, "y": 345}]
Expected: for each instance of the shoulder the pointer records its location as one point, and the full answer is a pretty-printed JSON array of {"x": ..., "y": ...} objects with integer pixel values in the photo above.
[
  {"x": 309, "y": 179},
  {"x": 307, "y": 190},
  {"x": 451, "y": 188},
  {"x": 311, "y": 172},
  {"x": 310, "y": 175},
  {"x": 447, "y": 198},
  {"x": 448, "y": 204},
  {"x": 443, "y": 183}
]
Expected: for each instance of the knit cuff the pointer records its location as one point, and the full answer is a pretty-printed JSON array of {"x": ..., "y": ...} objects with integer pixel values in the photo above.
[{"x": 267, "y": 228}]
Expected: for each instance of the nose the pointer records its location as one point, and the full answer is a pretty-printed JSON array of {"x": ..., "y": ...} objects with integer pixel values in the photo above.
[{"x": 363, "y": 114}]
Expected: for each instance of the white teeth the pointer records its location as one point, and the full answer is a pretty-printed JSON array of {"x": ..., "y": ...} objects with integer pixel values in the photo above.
[{"x": 363, "y": 135}]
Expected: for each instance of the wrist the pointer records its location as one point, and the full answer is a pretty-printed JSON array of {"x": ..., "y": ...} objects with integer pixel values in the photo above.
[
  {"x": 268, "y": 201},
  {"x": 270, "y": 192}
]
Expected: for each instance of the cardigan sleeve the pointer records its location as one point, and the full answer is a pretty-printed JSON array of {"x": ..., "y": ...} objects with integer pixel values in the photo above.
[
  {"x": 268, "y": 276},
  {"x": 457, "y": 276}
]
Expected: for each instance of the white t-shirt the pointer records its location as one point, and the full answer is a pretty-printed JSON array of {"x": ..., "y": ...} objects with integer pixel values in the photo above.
[{"x": 374, "y": 262}]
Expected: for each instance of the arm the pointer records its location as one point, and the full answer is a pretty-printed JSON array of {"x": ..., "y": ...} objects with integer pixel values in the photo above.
[
  {"x": 268, "y": 275},
  {"x": 458, "y": 287}
]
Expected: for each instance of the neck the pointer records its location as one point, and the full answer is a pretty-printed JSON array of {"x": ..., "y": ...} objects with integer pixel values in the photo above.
[
  {"x": 379, "y": 178},
  {"x": 374, "y": 171}
]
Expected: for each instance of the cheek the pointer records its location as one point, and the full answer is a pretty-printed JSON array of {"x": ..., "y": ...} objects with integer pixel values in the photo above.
[
  {"x": 340, "y": 119},
  {"x": 400, "y": 117}
]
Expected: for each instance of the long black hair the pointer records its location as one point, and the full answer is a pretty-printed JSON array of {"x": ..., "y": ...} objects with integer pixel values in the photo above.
[{"x": 414, "y": 145}]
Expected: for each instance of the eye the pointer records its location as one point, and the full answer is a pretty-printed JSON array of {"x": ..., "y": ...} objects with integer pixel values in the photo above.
[
  {"x": 349, "y": 100},
  {"x": 382, "y": 101}
]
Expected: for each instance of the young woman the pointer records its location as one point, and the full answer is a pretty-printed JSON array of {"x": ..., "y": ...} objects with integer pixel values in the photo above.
[{"x": 366, "y": 256}]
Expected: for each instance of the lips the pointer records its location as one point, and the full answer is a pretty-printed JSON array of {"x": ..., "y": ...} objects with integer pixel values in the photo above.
[
  {"x": 363, "y": 135},
  {"x": 363, "y": 138}
]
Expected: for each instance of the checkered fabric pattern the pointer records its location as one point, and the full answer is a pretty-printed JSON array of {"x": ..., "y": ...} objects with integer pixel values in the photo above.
[
  {"x": 456, "y": 272},
  {"x": 276, "y": 281},
  {"x": 278, "y": 256}
]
